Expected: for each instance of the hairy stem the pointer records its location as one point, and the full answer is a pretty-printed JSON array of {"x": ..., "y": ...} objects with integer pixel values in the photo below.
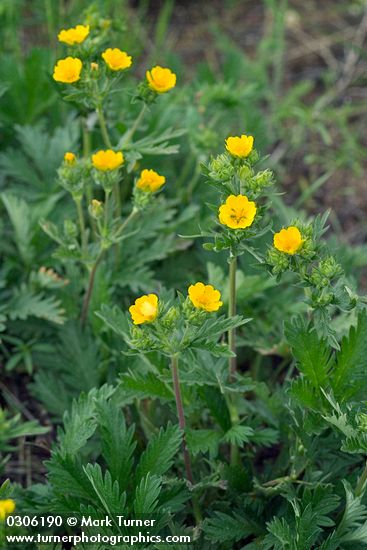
[
  {"x": 103, "y": 126},
  {"x": 135, "y": 126},
  {"x": 88, "y": 294},
  {"x": 181, "y": 416},
  {"x": 231, "y": 312},
  {"x": 83, "y": 232},
  {"x": 182, "y": 424},
  {"x": 361, "y": 482}
]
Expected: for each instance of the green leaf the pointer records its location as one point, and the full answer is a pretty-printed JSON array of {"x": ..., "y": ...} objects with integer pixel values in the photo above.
[
  {"x": 349, "y": 374},
  {"x": 222, "y": 528},
  {"x": 159, "y": 455},
  {"x": 203, "y": 441},
  {"x": 117, "y": 442},
  {"x": 109, "y": 500},
  {"x": 238, "y": 435},
  {"x": 313, "y": 356},
  {"x": 146, "y": 495}
]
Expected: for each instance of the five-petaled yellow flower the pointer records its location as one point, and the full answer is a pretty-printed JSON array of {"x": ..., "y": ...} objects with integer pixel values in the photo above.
[
  {"x": 116, "y": 59},
  {"x": 7, "y": 507},
  {"x": 107, "y": 160},
  {"x": 240, "y": 147},
  {"x": 205, "y": 297},
  {"x": 160, "y": 79},
  {"x": 69, "y": 157},
  {"x": 75, "y": 35},
  {"x": 150, "y": 181},
  {"x": 145, "y": 309},
  {"x": 288, "y": 240},
  {"x": 68, "y": 70},
  {"x": 237, "y": 212}
]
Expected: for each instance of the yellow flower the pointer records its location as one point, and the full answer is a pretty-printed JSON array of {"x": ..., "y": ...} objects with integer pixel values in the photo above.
[
  {"x": 240, "y": 147},
  {"x": 94, "y": 66},
  {"x": 107, "y": 160},
  {"x": 116, "y": 59},
  {"x": 68, "y": 70},
  {"x": 237, "y": 212},
  {"x": 161, "y": 80},
  {"x": 150, "y": 181},
  {"x": 145, "y": 309},
  {"x": 75, "y": 35},
  {"x": 288, "y": 240},
  {"x": 205, "y": 297},
  {"x": 69, "y": 157},
  {"x": 7, "y": 507}
]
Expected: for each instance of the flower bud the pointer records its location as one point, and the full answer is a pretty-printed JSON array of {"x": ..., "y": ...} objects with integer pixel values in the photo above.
[
  {"x": 70, "y": 229},
  {"x": 96, "y": 209},
  {"x": 221, "y": 168}
]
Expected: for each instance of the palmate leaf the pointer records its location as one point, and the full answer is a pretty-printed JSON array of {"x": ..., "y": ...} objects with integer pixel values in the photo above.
[
  {"x": 146, "y": 495},
  {"x": 238, "y": 435},
  {"x": 26, "y": 303},
  {"x": 349, "y": 375},
  {"x": 107, "y": 492},
  {"x": 81, "y": 423},
  {"x": 313, "y": 356},
  {"x": 139, "y": 385},
  {"x": 67, "y": 477},
  {"x": 159, "y": 455},
  {"x": 353, "y": 525},
  {"x": 225, "y": 528},
  {"x": 203, "y": 441},
  {"x": 213, "y": 328},
  {"x": 117, "y": 442},
  {"x": 20, "y": 216}
]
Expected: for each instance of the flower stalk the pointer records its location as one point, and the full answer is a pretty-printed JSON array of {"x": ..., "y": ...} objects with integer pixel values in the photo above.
[
  {"x": 232, "y": 312},
  {"x": 181, "y": 416},
  {"x": 83, "y": 233},
  {"x": 182, "y": 424},
  {"x": 88, "y": 294}
]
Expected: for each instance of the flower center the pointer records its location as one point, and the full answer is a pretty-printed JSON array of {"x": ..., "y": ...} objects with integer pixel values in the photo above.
[{"x": 147, "y": 309}]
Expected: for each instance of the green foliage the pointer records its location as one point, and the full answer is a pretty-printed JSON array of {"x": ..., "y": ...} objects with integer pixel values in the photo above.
[{"x": 272, "y": 445}]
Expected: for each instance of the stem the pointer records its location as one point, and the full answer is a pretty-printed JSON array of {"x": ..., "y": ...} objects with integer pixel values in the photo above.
[
  {"x": 106, "y": 205},
  {"x": 181, "y": 416},
  {"x": 86, "y": 153},
  {"x": 232, "y": 346},
  {"x": 232, "y": 312},
  {"x": 135, "y": 126},
  {"x": 88, "y": 294},
  {"x": 361, "y": 482},
  {"x": 182, "y": 424},
  {"x": 83, "y": 233},
  {"x": 132, "y": 215},
  {"x": 103, "y": 126}
]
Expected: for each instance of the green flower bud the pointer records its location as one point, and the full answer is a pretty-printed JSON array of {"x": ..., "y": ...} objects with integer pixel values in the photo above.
[
  {"x": 96, "y": 209},
  {"x": 221, "y": 168},
  {"x": 70, "y": 229},
  {"x": 170, "y": 318}
]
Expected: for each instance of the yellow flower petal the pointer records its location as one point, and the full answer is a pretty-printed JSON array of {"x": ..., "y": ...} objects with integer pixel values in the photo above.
[
  {"x": 116, "y": 59},
  {"x": 68, "y": 70},
  {"x": 240, "y": 147},
  {"x": 150, "y": 181},
  {"x": 145, "y": 309},
  {"x": 7, "y": 507},
  {"x": 288, "y": 240},
  {"x": 107, "y": 160},
  {"x": 75, "y": 35},
  {"x": 69, "y": 157},
  {"x": 237, "y": 212},
  {"x": 205, "y": 297},
  {"x": 161, "y": 79}
]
